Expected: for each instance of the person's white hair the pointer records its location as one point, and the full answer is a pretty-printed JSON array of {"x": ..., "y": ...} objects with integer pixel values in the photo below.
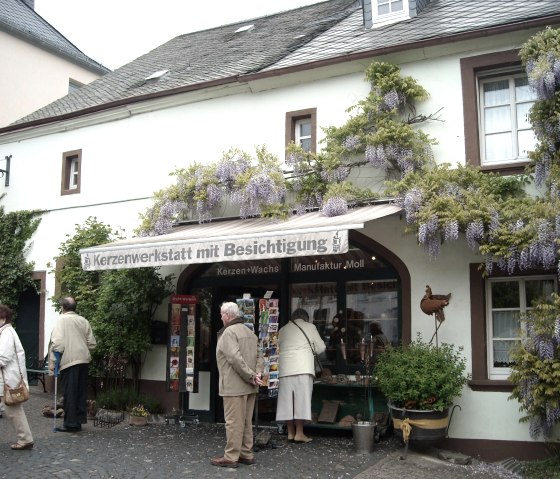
[{"x": 231, "y": 309}]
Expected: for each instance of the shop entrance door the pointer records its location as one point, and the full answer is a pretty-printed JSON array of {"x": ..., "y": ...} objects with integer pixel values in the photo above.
[{"x": 266, "y": 406}]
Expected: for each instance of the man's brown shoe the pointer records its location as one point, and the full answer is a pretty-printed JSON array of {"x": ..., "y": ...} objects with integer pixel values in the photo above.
[
  {"x": 248, "y": 461},
  {"x": 223, "y": 462}
]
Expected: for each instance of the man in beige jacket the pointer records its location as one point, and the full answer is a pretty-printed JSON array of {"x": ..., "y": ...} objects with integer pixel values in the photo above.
[
  {"x": 240, "y": 366},
  {"x": 73, "y": 338}
]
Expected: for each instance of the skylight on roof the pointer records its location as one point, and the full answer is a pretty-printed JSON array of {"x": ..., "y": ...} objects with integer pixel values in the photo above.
[
  {"x": 157, "y": 74},
  {"x": 246, "y": 28}
]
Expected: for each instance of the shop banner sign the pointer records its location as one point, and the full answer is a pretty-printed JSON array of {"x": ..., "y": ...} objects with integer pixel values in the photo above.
[{"x": 208, "y": 251}]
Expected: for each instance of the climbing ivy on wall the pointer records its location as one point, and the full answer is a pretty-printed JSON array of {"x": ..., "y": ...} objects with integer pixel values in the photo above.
[{"x": 16, "y": 229}]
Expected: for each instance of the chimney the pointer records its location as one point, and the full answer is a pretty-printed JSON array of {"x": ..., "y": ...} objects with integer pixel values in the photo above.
[
  {"x": 29, "y": 3},
  {"x": 367, "y": 13}
]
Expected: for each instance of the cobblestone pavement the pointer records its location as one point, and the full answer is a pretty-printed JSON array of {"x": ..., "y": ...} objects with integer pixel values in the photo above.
[{"x": 162, "y": 450}]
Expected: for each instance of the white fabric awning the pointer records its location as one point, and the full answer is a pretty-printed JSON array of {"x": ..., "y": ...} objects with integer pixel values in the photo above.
[{"x": 236, "y": 240}]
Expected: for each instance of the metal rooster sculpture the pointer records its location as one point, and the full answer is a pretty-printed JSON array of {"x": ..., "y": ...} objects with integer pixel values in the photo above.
[{"x": 433, "y": 304}]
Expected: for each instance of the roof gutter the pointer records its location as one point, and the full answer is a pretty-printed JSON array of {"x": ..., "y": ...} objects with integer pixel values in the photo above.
[{"x": 553, "y": 19}]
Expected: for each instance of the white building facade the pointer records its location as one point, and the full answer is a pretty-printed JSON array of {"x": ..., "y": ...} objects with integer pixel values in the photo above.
[{"x": 106, "y": 160}]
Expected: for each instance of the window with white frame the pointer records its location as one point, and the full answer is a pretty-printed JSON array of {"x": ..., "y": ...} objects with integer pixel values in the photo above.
[
  {"x": 389, "y": 6},
  {"x": 74, "y": 173},
  {"x": 507, "y": 299},
  {"x": 302, "y": 133},
  {"x": 385, "y": 12},
  {"x": 506, "y": 136}
]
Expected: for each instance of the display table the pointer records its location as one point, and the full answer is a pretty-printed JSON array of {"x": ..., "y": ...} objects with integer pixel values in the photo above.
[{"x": 351, "y": 399}]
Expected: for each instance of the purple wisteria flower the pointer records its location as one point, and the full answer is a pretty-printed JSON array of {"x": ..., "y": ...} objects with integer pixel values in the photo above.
[
  {"x": 535, "y": 427},
  {"x": 351, "y": 142},
  {"x": 512, "y": 259},
  {"x": 451, "y": 230},
  {"x": 557, "y": 331},
  {"x": 433, "y": 246},
  {"x": 411, "y": 204},
  {"x": 494, "y": 222},
  {"x": 341, "y": 173},
  {"x": 552, "y": 416},
  {"x": 474, "y": 233},
  {"x": 163, "y": 225},
  {"x": 544, "y": 347},
  {"x": 228, "y": 169},
  {"x": 335, "y": 206},
  {"x": 392, "y": 100},
  {"x": 376, "y": 157},
  {"x": 489, "y": 264}
]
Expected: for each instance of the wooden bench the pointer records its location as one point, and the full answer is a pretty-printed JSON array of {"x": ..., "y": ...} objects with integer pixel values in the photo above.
[{"x": 37, "y": 370}]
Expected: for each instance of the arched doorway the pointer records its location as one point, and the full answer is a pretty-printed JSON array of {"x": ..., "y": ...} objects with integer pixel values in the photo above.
[{"x": 352, "y": 290}]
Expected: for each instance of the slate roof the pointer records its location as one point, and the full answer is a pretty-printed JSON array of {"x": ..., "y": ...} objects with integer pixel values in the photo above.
[
  {"x": 18, "y": 19},
  {"x": 331, "y": 31}
]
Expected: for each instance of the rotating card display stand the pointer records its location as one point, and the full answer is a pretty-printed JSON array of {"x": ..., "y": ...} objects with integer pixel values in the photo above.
[
  {"x": 182, "y": 358},
  {"x": 267, "y": 330}
]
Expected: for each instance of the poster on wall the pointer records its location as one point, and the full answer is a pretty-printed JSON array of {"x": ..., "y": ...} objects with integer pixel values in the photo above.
[
  {"x": 182, "y": 371},
  {"x": 269, "y": 316}
]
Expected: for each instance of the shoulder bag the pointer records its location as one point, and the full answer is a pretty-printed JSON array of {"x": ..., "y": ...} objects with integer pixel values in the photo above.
[
  {"x": 318, "y": 365},
  {"x": 17, "y": 395}
]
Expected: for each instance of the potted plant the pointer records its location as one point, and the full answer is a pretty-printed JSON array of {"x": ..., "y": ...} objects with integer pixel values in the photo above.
[
  {"x": 138, "y": 416},
  {"x": 420, "y": 381}
]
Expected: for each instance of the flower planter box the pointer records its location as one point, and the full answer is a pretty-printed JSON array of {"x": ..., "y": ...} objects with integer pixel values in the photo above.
[
  {"x": 137, "y": 420},
  {"x": 427, "y": 427}
]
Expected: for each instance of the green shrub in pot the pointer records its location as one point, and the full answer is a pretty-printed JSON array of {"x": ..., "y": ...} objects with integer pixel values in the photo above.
[{"x": 420, "y": 375}]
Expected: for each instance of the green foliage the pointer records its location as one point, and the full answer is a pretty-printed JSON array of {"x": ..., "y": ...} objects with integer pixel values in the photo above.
[
  {"x": 73, "y": 280},
  {"x": 462, "y": 193},
  {"x": 200, "y": 188},
  {"x": 120, "y": 304},
  {"x": 548, "y": 468},
  {"x": 125, "y": 304},
  {"x": 536, "y": 368},
  {"x": 16, "y": 229},
  {"x": 545, "y": 42},
  {"x": 125, "y": 399},
  {"x": 421, "y": 375}
]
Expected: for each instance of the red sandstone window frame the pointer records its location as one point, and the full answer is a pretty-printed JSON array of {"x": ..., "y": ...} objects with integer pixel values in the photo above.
[{"x": 470, "y": 68}]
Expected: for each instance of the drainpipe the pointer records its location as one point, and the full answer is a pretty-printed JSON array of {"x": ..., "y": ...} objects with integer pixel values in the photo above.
[{"x": 367, "y": 13}]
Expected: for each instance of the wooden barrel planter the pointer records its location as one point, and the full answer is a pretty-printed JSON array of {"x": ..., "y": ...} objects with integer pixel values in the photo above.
[{"x": 427, "y": 427}]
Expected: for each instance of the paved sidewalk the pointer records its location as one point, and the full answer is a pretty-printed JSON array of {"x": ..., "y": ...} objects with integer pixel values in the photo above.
[{"x": 162, "y": 450}]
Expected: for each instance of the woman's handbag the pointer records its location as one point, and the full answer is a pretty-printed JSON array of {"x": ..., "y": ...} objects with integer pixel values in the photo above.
[
  {"x": 13, "y": 396},
  {"x": 317, "y": 361}
]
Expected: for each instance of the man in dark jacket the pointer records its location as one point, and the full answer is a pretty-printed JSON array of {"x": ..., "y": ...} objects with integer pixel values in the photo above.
[{"x": 240, "y": 366}]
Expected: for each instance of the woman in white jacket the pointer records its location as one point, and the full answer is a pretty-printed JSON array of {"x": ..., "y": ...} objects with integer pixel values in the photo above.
[
  {"x": 296, "y": 372},
  {"x": 12, "y": 362}
]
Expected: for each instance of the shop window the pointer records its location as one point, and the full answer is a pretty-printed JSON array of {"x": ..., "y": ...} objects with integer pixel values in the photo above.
[
  {"x": 346, "y": 314},
  {"x": 71, "y": 172},
  {"x": 497, "y": 304},
  {"x": 301, "y": 129}
]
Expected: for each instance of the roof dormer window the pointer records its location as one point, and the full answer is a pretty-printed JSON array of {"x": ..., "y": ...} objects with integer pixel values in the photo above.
[
  {"x": 387, "y": 6},
  {"x": 385, "y": 12}
]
